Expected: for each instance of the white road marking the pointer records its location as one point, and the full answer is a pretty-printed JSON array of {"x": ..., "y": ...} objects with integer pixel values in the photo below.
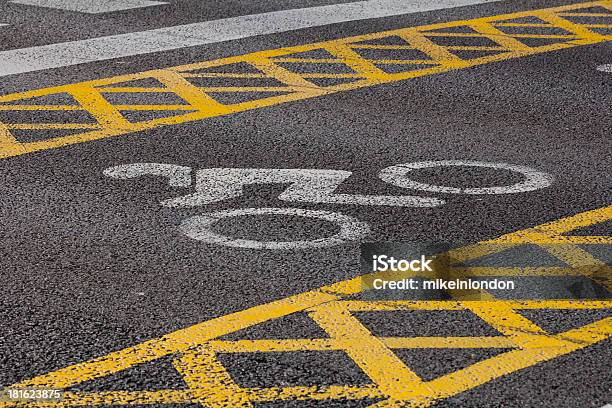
[
  {"x": 305, "y": 186},
  {"x": 90, "y": 6},
  {"x": 178, "y": 176},
  {"x": 605, "y": 68},
  {"x": 534, "y": 179},
  {"x": 171, "y": 38},
  {"x": 309, "y": 186},
  {"x": 199, "y": 228}
]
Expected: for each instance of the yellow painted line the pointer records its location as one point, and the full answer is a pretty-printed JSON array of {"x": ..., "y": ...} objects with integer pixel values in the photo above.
[
  {"x": 154, "y": 107},
  {"x": 578, "y": 14},
  {"x": 310, "y": 60},
  {"x": 533, "y": 271},
  {"x": 40, "y": 107},
  {"x": 269, "y": 64},
  {"x": 325, "y": 344},
  {"x": 327, "y": 75},
  {"x": 504, "y": 364},
  {"x": 318, "y": 393},
  {"x": 194, "y": 349},
  {"x": 32, "y": 126},
  {"x": 375, "y": 359},
  {"x": 475, "y": 342},
  {"x": 247, "y": 89},
  {"x": 382, "y": 47},
  {"x": 223, "y": 75},
  {"x": 273, "y": 346},
  {"x": 474, "y": 48},
  {"x": 541, "y": 25},
  {"x": 132, "y": 89}
]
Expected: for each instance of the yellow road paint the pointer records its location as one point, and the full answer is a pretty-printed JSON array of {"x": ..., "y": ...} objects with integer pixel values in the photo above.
[
  {"x": 334, "y": 309},
  {"x": 201, "y": 101}
]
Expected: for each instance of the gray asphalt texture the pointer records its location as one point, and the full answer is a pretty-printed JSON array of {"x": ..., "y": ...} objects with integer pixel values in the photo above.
[{"x": 91, "y": 265}]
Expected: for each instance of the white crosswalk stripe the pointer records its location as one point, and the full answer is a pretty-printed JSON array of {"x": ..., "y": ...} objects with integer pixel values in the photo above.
[
  {"x": 208, "y": 32},
  {"x": 90, "y": 6}
]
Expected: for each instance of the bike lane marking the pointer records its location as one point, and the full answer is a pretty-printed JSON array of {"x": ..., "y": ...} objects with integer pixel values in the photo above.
[
  {"x": 350, "y": 63},
  {"x": 194, "y": 349}
]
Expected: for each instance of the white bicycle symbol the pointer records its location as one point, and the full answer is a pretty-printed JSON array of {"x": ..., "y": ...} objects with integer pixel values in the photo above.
[{"x": 307, "y": 186}]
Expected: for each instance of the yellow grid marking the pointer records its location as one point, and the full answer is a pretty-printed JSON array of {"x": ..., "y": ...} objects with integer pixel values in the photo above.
[
  {"x": 585, "y": 14},
  {"x": 247, "y": 89},
  {"x": 155, "y": 107},
  {"x": 28, "y": 126},
  {"x": 267, "y": 64},
  {"x": 194, "y": 349},
  {"x": 381, "y": 47},
  {"x": 39, "y": 107}
]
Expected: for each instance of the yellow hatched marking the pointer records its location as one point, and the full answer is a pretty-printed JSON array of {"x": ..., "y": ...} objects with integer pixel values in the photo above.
[
  {"x": 293, "y": 80},
  {"x": 439, "y": 54},
  {"x": 195, "y": 96},
  {"x": 583, "y": 262},
  {"x": 474, "y": 48},
  {"x": 316, "y": 393},
  {"x": 580, "y": 30},
  {"x": 499, "y": 36},
  {"x": 104, "y": 112},
  {"x": 381, "y": 47},
  {"x": 209, "y": 380},
  {"x": 506, "y": 363},
  {"x": 585, "y": 269},
  {"x": 355, "y": 61},
  {"x": 507, "y": 321},
  {"x": 248, "y": 89},
  {"x": 222, "y": 75},
  {"x": 34, "y": 126},
  {"x": 585, "y": 14},
  {"x": 326, "y": 75},
  {"x": 275, "y": 345},
  {"x": 475, "y": 342},
  {"x": 376, "y": 360},
  {"x": 541, "y": 25},
  {"x": 40, "y": 107},
  {"x": 195, "y": 348},
  {"x": 155, "y": 107},
  {"x": 403, "y": 62},
  {"x": 325, "y": 344},
  {"x": 310, "y": 60},
  {"x": 8, "y": 143},
  {"x": 133, "y": 89},
  {"x": 112, "y": 123}
]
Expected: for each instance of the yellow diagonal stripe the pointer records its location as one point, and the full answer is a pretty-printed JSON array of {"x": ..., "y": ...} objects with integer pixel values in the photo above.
[{"x": 345, "y": 60}]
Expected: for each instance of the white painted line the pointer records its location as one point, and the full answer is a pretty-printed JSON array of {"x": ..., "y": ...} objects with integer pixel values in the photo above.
[
  {"x": 219, "y": 184},
  {"x": 605, "y": 68},
  {"x": 178, "y": 176},
  {"x": 171, "y": 38},
  {"x": 534, "y": 179},
  {"x": 90, "y": 6},
  {"x": 199, "y": 228}
]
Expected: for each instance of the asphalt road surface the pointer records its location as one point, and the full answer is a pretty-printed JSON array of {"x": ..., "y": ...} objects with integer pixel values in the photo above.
[{"x": 183, "y": 202}]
